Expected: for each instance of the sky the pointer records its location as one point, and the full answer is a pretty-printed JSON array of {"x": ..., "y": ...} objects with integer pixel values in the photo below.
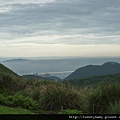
[{"x": 35, "y": 28}]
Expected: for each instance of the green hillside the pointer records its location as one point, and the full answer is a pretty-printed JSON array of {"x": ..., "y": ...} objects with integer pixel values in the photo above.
[
  {"x": 6, "y": 70},
  {"x": 95, "y": 80},
  {"x": 91, "y": 70},
  {"x": 10, "y": 80},
  {"x": 52, "y": 97}
]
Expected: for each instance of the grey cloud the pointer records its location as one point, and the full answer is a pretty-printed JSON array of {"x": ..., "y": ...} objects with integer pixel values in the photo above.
[{"x": 64, "y": 17}]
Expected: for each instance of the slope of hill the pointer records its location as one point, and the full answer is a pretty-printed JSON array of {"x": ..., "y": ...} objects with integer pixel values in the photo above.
[
  {"x": 91, "y": 70},
  {"x": 6, "y": 70},
  {"x": 95, "y": 80},
  {"x": 9, "y": 80}
]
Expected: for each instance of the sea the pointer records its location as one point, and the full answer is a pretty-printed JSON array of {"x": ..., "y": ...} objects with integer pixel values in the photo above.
[{"x": 55, "y": 66}]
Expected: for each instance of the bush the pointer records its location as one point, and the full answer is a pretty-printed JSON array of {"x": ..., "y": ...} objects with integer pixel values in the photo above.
[
  {"x": 18, "y": 100},
  {"x": 23, "y": 101},
  {"x": 33, "y": 92},
  {"x": 11, "y": 83},
  {"x": 114, "y": 108},
  {"x": 6, "y": 100},
  {"x": 2, "y": 98},
  {"x": 6, "y": 81},
  {"x": 57, "y": 98},
  {"x": 15, "y": 111},
  {"x": 99, "y": 99},
  {"x": 54, "y": 96}
]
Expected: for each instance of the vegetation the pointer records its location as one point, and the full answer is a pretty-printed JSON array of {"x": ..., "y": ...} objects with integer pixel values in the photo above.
[
  {"x": 95, "y": 80},
  {"x": 99, "y": 99},
  {"x": 51, "y": 97},
  {"x": 54, "y": 96},
  {"x": 91, "y": 70},
  {"x": 36, "y": 77},
  {"x": 114, "y": 108},
  {"x": 70, "y": 112},
  {"x": 17, "y": 100},
  {"x": 8, "y": 110}
]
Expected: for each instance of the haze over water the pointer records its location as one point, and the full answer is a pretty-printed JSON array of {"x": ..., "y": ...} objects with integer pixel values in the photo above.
[{"x": 60, "y": 66}]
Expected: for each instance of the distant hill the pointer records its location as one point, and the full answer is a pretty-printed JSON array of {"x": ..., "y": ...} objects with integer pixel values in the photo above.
[
  {"x": 95, "y": 80},
  {"x": 24, "y": 66},
  {"x": 91, "y": 70},
  {"x": 16, "y": 60}
]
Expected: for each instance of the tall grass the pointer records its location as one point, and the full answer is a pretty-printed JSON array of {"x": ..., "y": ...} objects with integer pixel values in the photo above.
[
  {"x": 114, "y": 108},
  {"x": 98, "y": 100},
  {"x": 55, "y": 96},
  {"x": 59, "y": 98}
]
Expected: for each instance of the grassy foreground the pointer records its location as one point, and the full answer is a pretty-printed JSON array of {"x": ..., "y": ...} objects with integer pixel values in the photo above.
[
  {"x": 51, "y": 97},
  {"x": 8, "y": 110}
]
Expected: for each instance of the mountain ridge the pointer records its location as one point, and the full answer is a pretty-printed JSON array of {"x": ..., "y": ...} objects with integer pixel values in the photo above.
[{"x": 91, "y": 70}]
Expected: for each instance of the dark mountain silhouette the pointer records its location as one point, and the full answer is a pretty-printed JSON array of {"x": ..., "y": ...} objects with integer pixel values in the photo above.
[{"x": 91, "y": 70}]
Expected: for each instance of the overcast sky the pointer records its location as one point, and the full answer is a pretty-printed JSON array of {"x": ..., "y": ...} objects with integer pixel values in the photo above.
[{"x": 32, "y": 28}]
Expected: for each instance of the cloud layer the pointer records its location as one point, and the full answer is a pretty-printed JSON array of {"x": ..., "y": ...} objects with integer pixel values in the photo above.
[{"x": 67, "y": 22}]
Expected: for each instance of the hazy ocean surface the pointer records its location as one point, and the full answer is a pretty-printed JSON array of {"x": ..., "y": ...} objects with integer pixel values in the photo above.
[{"x": 57, "y": 66}]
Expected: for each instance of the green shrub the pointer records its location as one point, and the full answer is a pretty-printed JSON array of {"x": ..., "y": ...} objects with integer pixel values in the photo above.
[
  {"x": 33, "y": 92},
  {"x": 8, "y": 110},
  {"x": 11, "y": 83},
  {"x": 6, "y": 81},
  {"x": 57, "y": 98},
  {"x": 2, "y": 98},
  {"x": 6, "y": 100},
  {"x": 18, "y": 100},
  {"x": 23, "y": 101},
  {"x": 114, "y": 108},
  {"x": 99, "y": 99},
  {"x": 54, "y": 96},
  {"x": 70, "y": 112}
]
